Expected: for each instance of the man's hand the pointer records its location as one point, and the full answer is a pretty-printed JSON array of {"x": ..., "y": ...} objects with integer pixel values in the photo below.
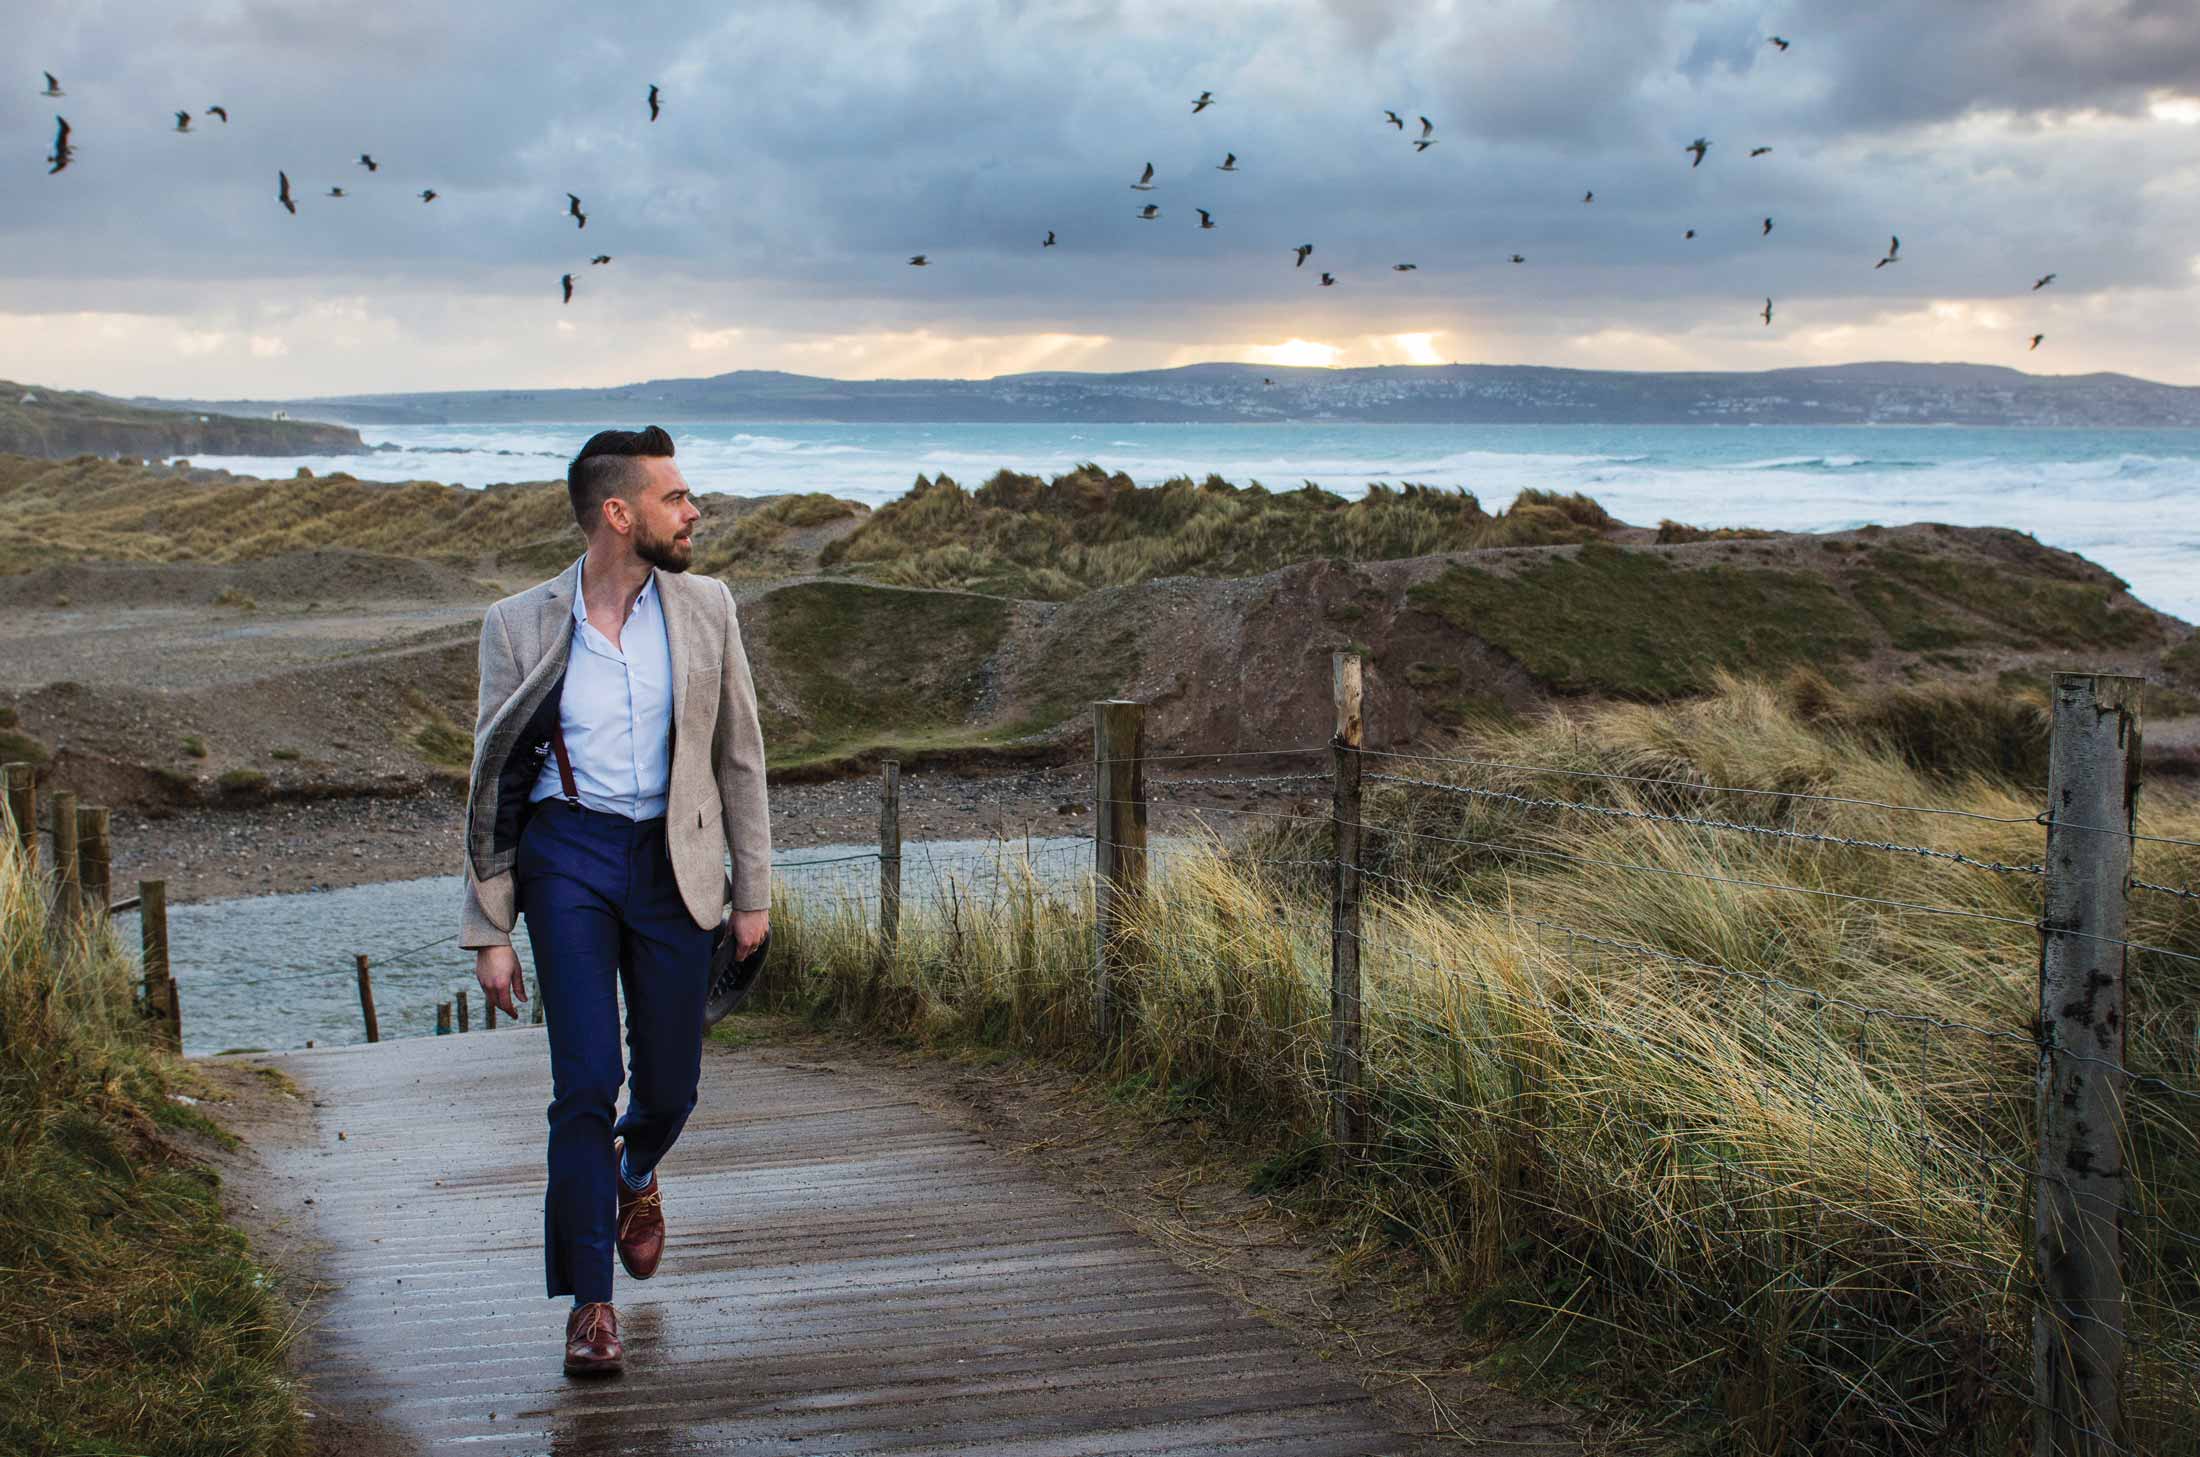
[
  {"x": 502, "y": 986},
  {"x": 748, "y": 931}
]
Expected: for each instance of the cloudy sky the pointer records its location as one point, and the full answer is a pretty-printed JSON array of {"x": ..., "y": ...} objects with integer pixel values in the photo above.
[{"x": 807, "y": 149}]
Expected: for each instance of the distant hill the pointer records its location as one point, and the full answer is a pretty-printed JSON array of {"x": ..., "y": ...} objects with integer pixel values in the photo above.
[
  {"x": 59, "y": 423},
  {"x": 1844, "y": 394}
]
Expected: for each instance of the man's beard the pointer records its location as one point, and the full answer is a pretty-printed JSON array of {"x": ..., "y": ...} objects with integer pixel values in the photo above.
[{"x": 668, "y": 552}]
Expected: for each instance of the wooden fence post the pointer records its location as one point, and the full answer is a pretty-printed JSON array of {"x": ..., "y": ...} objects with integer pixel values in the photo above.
[
  {"x": 366, "y": 1000},
  {"x": 23, "y": 809},
  {"x": 465, "y": 1023},
  {"x": 1118, "y": 845},
  {"x": 442, "y": 1019},
  {"x": 2083, "y": 1184},
  {"x": 488, "y": 1014},
  {"x": 537, "y": 1018},
  {"x": 1347, "y": 1096},
  {"x": 94, "y": 859},
  {"x": 889, "y": 864},
  {"x": 68, "y": 891},
  {"x": 160, "y": 983}
]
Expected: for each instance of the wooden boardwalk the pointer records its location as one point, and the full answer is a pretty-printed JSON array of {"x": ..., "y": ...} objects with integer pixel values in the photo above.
[{"x": 846, "y": 1272}]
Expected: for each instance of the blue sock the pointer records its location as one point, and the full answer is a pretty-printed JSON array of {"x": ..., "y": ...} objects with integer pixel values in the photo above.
[{"x": 626, "y": 1176}]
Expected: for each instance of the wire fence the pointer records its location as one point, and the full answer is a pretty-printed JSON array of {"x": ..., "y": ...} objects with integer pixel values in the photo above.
[{"x": 1807, "y": 1074}]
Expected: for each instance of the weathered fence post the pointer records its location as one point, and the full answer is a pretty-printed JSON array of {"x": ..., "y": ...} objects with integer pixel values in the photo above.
[
  {"x": 1118, "y": 844},
  {"x": 366, "y": 1000},
  {"x": 442, "y": 1019},
  {"x": 1347, "y": 1096},
  {"x": 465, "y": 1022},
  {"x": 23, "y": 809},
  {"x": 94, "y": 859},
  {"x": 488, "y": 1013},
  {"x": 537, "y": 1018},
  {"x": 68, "y": 891},
  {"x": 2082, "y": 1182},
  {"x": 889, "y": 863},
  {"x": 160, "y": 983}
]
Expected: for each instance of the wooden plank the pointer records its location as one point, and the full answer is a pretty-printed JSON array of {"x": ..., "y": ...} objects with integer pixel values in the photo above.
[{"x": 846, "y": 1271}]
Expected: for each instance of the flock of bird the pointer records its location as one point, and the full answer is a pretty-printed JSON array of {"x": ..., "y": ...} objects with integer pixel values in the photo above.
[{"x": 64, "y": 152}]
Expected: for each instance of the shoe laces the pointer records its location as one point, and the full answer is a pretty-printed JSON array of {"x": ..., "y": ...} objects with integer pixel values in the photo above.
[
  {"x": 597, "y": 1321},
  {"x": 646, "y": 1203}
]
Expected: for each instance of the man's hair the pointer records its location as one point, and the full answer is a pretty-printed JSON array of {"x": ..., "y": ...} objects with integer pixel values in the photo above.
[{"x": 610, "y": 465}]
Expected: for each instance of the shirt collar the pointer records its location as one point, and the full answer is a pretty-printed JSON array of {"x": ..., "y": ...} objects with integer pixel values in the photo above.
[{"x": 580, "y": 595}]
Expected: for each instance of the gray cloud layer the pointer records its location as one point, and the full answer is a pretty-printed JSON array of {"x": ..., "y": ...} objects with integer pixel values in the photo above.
[{"x": 807, "y": 149}]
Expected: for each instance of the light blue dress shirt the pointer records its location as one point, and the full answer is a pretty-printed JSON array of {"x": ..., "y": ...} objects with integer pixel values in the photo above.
[{"x": 616, "y": 711}]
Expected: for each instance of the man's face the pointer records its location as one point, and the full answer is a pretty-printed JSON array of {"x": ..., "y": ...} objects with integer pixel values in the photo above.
[{"x": 662, "y": 516}]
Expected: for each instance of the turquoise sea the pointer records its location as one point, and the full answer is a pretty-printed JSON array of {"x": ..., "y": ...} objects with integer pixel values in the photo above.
[{"x": 2128, "y": 499}]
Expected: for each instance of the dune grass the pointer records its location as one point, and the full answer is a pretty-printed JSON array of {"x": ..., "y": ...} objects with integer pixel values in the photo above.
[
  {"x": 132, "y": 1317},
  {"x": 1019, "y": 536},
  {"x": 1640, "y": 1129}
]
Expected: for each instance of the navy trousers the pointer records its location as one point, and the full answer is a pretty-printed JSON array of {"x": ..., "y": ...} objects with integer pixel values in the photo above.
[{"x": 603, "y": 914}]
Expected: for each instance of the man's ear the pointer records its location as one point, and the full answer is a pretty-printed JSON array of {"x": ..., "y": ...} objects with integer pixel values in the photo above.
[{"x": 618, "y": 514}]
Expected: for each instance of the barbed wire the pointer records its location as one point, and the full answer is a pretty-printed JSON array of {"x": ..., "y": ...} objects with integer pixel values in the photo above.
[{"x": 1798, "y": 836}]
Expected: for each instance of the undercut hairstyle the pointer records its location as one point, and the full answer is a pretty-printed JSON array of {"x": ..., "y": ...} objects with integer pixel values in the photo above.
[{"x": 610, "y": 465}]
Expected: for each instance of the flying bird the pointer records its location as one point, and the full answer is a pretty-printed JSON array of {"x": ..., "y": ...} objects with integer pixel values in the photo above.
[
  {"x": 601, "y": 258},
  {"x": 2045, "y": 279},
  {"x": 282, "y": 193},
  {"x": 1588, "y": 197},
  {"x": 220, "y": 111},
  {"x": 63, "y": 152},
  {"x": 1149, "y": 212},
  {"x": 1767, "y": 315},
  {"x": 1894, "y": 253},
  {"x": 337, "y": 192},
  {"x": 2036, "y": 338},
  {"x": 1689, "y": 234},
  {"x": 183, "y": 121},
  {"x": 1758, "y": 151},
  {"x": 1302, "y": 250},
  {"x": 1699, "y": 146},
  {"x": 1768, "y": 229},
  {"x": 1145, "y": 180},
  {"x": 1518, "y": 258},
  {"x": 1328, "y": 281},
  {"x": 1206, "y": 219},
  {"x": 369, "y": 163},
  {"x": 920, "y": 261},
  {"x": 1774, "y": 40},
  {"x": 656, "y": 102},
  {"x": 1394, "y": 119},
  {"x": 565, "y": 281},
  {"x": 53, "y": 87},
  {"x": 1205, "y": 100},
  {"x": 1229, "y": 162},
  {"x": 1424, "y": 144},
  {"x": 1403, "y": 267},
  {"x": 573, "y": 210},
  {"x": 427, "y": 194},
  {"x": 1049, "y": 239},
  {"x": 1427, "y": 127}
]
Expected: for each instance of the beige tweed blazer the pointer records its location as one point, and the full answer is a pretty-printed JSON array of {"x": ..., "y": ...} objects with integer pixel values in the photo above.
[{"x": 715, "y": 802}]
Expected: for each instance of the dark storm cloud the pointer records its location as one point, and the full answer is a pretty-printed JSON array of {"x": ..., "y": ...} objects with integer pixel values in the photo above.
[{"x": 808, "y": 149}]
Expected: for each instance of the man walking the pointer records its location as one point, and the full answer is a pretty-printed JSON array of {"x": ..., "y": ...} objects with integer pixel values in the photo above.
[{"x": 617, "y": 760}]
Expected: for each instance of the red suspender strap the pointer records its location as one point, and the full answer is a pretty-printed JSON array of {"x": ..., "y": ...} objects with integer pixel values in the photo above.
[{"x": 565, "y": 765}]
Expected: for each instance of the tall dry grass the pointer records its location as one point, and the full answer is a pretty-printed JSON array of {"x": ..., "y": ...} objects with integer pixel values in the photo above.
[
  {"x": 1755, "y": 1162},
  {"x": 132, "y": 1317}
]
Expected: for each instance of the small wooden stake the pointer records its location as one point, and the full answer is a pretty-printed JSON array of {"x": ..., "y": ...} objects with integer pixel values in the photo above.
[{"x": 366, "y": 1000}]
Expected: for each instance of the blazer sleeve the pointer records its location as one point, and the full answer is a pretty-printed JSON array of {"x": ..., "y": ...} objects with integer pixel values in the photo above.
[
  {"x": 737, "y": 758},
  {"x": 477, "y": 927}
]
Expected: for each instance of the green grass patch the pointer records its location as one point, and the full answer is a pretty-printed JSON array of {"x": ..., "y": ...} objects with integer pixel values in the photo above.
[
  {"x": 1630, "y": 623},
  {"x": 867, "y": 665},
  {"x": 2029, "y": 609},
  {"x": 133, "y": 1318}
]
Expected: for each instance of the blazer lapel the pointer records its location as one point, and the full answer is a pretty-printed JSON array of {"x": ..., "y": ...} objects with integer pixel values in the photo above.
[
  {"x": 556, "y": 614},
  {"x": 671, "y": 604}
]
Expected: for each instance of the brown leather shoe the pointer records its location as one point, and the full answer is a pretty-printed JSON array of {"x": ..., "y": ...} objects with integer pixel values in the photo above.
[
  {"x": 641, "y": 1238},
  {"x": 592, "y": 1340}
]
